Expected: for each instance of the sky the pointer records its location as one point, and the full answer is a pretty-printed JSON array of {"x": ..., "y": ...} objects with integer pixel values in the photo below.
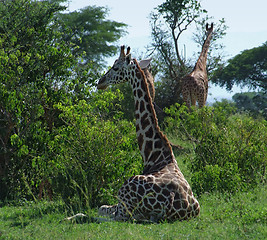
[{"x": 246, "y": 21}]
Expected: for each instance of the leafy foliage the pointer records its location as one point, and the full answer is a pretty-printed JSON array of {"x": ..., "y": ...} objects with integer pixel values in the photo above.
[
  {"x": 40, "y": 72},
  {"x": 36, "y": 68},
  {"x": 127, "y": 103},
  {"x": 255, "y": 103},
  {"x": 93, "y": 33},
  {"x": 95, "y": 150},
  {"x": 245, "y": 69},
  {"x": 230, "y": 151}
]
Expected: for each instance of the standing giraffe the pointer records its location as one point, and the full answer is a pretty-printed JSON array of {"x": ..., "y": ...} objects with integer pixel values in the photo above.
[
  {"x": 195, "y": 84},
  {"x": 161, "y": 192}
]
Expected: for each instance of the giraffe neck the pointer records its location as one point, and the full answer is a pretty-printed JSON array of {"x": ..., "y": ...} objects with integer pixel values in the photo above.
[
  {"x": 154, "y": 146},
  {"x": 201, "y": 62}
]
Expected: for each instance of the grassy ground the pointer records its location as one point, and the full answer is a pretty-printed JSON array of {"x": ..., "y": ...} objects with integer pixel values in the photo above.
[{"x": 243, "y": 216}]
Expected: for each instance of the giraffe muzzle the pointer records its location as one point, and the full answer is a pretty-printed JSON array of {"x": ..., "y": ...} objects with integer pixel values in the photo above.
[
  {"x": 101, "y": 83},
  {"x": 101, "y": 86}
]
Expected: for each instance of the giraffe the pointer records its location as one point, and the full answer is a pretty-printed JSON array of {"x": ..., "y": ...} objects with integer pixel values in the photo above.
[
  {"x": 195, "y": 84},
  {"x": 161, "y": 192}
]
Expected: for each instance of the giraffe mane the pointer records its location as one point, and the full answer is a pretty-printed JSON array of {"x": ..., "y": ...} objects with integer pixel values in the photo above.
[{"x": 162, "y": 136}]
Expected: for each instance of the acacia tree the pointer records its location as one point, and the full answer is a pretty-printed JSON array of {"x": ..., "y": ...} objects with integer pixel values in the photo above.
[
  {"x": 245, "y": 69},
  {"x": 168, "y": 22},
  {"x": 93, "y": 33},
  {"x": 249, "y": 68}
]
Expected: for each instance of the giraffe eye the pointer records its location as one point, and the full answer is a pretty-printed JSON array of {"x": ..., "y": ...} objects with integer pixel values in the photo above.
[{"x": 115, "y": 68}]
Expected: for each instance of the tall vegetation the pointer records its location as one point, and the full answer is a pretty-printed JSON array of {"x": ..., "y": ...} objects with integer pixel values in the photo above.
[
  {"x": 36, "y": 68},
  {"x": 95, "y": 35},
  {"x": 95, "y": 151},
  {"x": 229, "y": 147},
  {"x": 247, "y": 69},
  {"x": 40, "y": 70}
]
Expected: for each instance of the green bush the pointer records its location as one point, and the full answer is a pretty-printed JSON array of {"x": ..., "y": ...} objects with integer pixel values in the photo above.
[
  {"x": 229, "y": 148},
  {"x": 36, "y": 71},
  {"x": 46, "y": 130},
  {"x": 85, "y": 159},
  {"x": 96, "y": 149}
]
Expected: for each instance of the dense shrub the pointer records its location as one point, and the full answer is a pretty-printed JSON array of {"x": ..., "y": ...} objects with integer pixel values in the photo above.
[
  {"x": 97, "y": 150},
  {"x": 87, "y": 157},
  {"x": 230, "y": 148},
  {"x": 44, "y": 76},
  {"x": 36, "y": 68}
]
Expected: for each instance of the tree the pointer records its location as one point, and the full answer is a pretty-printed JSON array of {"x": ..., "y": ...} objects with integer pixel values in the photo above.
[
  {"x": 249, "y": 68},
  {"x": 36, "y": 70},
  {"x": 254, "y": 102},
  {"x": 39, "y": 70},
  {"x": 177, "y": 16},
  {"x": 93, "y": 33}
]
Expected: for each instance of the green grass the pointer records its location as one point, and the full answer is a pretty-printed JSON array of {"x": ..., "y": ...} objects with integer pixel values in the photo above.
[
  {"x": 240, "y": 216},
  {"x": 243, "y": 216}
]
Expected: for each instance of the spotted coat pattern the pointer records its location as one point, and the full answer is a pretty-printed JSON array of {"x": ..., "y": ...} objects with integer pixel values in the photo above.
[
  {"x": 195, "y": 84},
  {"x": 161, "y": 192}
]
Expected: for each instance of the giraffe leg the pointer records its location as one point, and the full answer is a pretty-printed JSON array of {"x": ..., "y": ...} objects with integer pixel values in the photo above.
[
  {"x": 205, "y": 97},
  {"x": 201, "y": 96},
  {"x": 193, "y": 100},
  {"x": 201, "y": 102},
  {"x": 186, "y": 98},
  {"x": 106, "y": 210}
]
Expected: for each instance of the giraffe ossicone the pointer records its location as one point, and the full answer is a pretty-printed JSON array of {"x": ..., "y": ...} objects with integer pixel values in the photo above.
[
  {"x": 195, "y": 84},
  {"x": 161, "y": 192}
]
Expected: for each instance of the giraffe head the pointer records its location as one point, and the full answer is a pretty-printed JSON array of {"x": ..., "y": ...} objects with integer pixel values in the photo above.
[
  {"x": 209, "y": 29},
  {"x": 118, "y": 72}
]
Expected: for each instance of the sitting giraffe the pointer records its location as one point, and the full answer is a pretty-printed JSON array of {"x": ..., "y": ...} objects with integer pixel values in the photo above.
[
  {"x": 195, "y": 84},
  {"x": 161, "y": 192}
]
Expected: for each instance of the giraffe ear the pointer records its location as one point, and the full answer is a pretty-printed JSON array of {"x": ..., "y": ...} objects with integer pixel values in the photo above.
[
  {"x": 144, "y": 63},
  {"x": 128, "y": 58}
]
